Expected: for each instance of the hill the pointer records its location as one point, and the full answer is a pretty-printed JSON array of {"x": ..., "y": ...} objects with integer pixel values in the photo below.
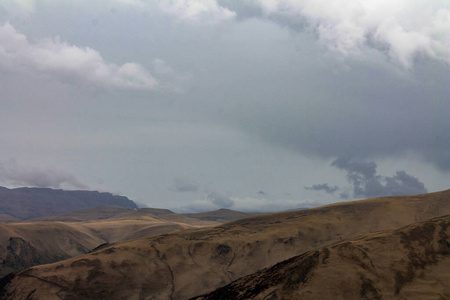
[
  {"x": 102, "y": 213},
  {"x": 222, "y": 215},
  {"x": 27, "y": 203},
  {"x": 407, "y": 263},
  {"x": 188, "y": 263},
  {"x": 54, "y": 238},
  {"x": 107, "y": 212}
]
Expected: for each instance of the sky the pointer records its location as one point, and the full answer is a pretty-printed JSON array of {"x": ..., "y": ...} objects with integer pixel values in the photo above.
[{"x": 252, "y": 105}]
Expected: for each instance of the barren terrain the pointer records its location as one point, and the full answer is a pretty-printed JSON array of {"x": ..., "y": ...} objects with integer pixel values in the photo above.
[
  {"x": 184, "y": 264},
  {"x": 49, "y": 239},
  {"x": 407, "y": 263}
]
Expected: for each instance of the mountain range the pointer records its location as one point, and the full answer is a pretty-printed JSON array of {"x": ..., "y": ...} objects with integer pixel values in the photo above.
[{"x": 27, "y": 203}]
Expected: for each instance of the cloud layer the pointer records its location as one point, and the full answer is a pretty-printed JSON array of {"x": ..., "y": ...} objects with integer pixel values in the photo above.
[
  {"x": 12, "y": 173},
  {"x": 55, "y": 58},
  {"x": 204, "y": 12},
  {"x": 404, "y": 30},
  {"x": 366, "y": 183},
  {"x": 183, "y": 185}
]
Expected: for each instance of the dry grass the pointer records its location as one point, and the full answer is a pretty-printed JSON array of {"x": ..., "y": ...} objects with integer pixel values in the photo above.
[{"x": 187, "y": 263}]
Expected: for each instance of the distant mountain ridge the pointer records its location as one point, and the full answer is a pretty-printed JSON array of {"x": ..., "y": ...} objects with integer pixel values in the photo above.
[{"x": 26, "y": 203}]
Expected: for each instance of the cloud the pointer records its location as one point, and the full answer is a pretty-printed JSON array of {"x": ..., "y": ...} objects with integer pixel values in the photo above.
[
  {"x": 12, "y": 173},
  {"x": 184, "y": 185},
  {"x": 220, "y": 199},
  {"x": 136, "y": 3},
  {"x": 362, "y": 175},
  {"x": 197, "y": 11},
  {"x": 404, "y": 30},
  {"x": 58, "y": 59},
  {"x": 250, "y": 204},
  {"x": 323, "y": 187},
  {"x": 17, "y": 8},
  {"x": 196, "y": 206}
]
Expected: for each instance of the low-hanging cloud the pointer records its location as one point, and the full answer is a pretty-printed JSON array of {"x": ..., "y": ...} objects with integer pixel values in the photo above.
[
  {"x": 55, "y": 58},
  {"x": 183, "y": 185},
  {"x": 220, "y": 199},
  {"x": 365, "y": 182},
  {"x": 250, "y": 204},
  {"x": 12, "y": 173},
  {"x": 323, "y": 187}
]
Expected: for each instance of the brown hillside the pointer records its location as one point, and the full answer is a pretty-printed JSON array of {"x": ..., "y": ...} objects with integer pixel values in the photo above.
[
  {"x": 408, "y": 263},
  {"x": 23, "y": 245},
  {"x": 184, "y": 264},
  {"x": 33, "y": 242}
]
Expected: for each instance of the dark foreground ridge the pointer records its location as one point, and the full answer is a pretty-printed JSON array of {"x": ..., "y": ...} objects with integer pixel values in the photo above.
[{"x": 392, "y": 264}]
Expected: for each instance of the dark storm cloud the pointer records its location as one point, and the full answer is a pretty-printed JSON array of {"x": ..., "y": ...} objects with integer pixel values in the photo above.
[
  {"x": 14, "y": 174},
  {"x": 220, "y": 199},
  {"x": 360, "y": 112},
  {"x": 366, "y": 183},
  {"x": 323, "y": 187},
  {"x": 184, "y": 185},
  {"x": 388, "y": 97}
]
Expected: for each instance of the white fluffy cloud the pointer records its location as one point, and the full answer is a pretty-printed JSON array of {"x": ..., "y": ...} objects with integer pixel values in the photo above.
[
  {"x": 55, "y": 58},
  {"x": 404, "y": 29},
  {"x": 12, "y": 173},
  {"x": 197, "y": 11}
]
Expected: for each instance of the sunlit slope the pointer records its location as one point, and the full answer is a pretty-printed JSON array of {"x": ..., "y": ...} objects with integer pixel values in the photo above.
[
  {"x": 28, "y": 243},
  {"x": 23, "y": 245},
  {"x": 184, "y": 264},
  {"x": 408, "y": 263},
  {"x": 103, "y": 212}
]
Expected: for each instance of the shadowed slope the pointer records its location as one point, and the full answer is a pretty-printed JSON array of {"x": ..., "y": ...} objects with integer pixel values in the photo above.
[
  {"x": 189, "y": 263},
  {"x": 408, "y": 263}
]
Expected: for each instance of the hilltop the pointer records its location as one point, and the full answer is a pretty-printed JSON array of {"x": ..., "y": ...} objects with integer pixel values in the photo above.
[
  {"x": 407, "y": 263},
  {"x": 192, "y": 262},
  {"x": 53, "y": 238}
]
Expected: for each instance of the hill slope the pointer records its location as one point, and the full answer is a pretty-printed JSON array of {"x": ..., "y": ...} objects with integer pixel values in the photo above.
[
  {"x": 33, "y": 242},
  {"x": 26, "y": 203},
  {"x": 184, "y": 264},
  {"x": 408, "y": 263}
]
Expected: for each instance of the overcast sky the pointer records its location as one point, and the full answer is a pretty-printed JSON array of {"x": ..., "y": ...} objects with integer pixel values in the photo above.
[{"x": 256, "y": 105}]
